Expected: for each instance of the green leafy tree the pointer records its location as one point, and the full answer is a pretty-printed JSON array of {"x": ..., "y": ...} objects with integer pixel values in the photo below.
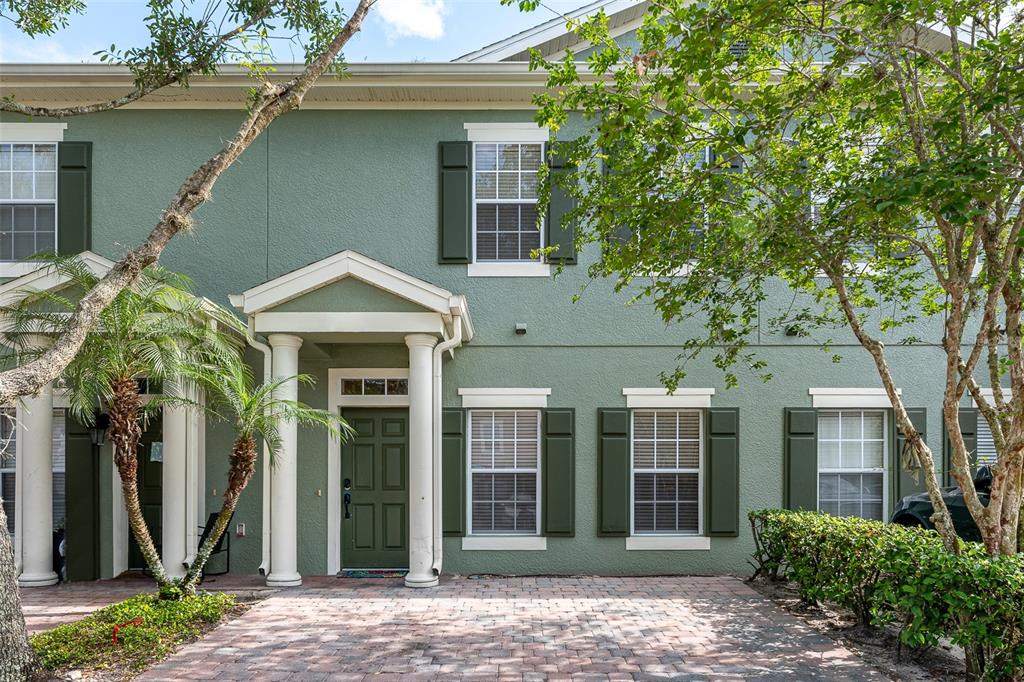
[
  {"x": 185, "y": 38},
  {"x": 156, "y": 330},
  {"x": 825, "y": 168},
  {"x": 255, "y": 413}
]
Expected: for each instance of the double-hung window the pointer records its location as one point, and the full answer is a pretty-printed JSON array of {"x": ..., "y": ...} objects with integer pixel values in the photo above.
[
  {"x": 8, "y": 465},
  {"x": 28, "y": 199},
  {"x": 668, "y": 457},
  {"x": 852, "y": 448},
  {"x": 504, "y": 481},
  {"x": 505, "y": 178}
]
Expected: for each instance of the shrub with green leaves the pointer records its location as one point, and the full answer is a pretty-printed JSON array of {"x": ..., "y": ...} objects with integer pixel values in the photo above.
[
  {"x": 163, "y": 625},
  {"x": 886, "y": 573}
]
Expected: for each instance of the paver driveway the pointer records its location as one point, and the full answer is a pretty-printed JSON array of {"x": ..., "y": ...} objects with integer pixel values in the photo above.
[{"x": 516, "y": 628}]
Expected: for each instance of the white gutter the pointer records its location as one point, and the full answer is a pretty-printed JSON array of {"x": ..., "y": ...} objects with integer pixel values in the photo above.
[
  {"x": 250, "y": 337},
  {"x": 439, "y": 350}
]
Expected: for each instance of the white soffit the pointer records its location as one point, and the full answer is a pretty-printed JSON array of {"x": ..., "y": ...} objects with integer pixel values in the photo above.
[
  {"x": 850, "y": 397},
  {"x": 660, "y": 397},
  {"x": 505, "y": 397}
]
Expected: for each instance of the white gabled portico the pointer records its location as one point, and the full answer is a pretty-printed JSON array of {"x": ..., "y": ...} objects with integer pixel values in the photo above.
[{"x": 296, "y": 309}]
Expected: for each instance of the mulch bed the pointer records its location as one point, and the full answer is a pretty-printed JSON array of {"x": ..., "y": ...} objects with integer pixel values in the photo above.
[{"x": 879, "y": 647}]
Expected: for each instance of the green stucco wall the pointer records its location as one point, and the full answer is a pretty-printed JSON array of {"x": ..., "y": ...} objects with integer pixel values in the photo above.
[{"x": 324, "y": 181}]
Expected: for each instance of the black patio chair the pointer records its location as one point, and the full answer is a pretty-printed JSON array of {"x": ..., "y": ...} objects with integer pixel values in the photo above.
[{"x": 222, "y": 547}]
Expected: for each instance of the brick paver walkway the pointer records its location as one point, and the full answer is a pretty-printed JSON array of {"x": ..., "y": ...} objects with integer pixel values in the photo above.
[{"x": 516, "y": 628}]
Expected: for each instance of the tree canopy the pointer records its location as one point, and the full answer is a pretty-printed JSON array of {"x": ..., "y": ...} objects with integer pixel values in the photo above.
[{"x": 867, "y": 155}]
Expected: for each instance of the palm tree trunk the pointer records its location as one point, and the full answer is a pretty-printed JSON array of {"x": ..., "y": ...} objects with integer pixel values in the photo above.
[
  {"x": 17, "y": 660},
  {"x": 125, "y": 434},
  {"x": 243, "y": 466}
]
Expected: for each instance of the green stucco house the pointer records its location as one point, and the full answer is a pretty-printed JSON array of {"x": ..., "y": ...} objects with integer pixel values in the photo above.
[{"x": 379, "y": 239}]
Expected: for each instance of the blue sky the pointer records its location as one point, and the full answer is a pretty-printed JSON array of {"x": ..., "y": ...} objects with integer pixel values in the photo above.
[{"x": 396, "y": 31}]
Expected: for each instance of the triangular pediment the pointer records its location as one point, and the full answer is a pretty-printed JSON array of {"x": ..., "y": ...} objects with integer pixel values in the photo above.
[
  {"x": 46, "y": 278},
  {"x": 345, "y": 274}
]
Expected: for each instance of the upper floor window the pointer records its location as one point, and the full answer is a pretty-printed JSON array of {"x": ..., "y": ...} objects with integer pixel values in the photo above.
[
  {"x": 668, "y": 455},
  {"x": 852, "y": 446},
  {"x": 28, "y": 199},
  {"x": 505, "y": 182}
]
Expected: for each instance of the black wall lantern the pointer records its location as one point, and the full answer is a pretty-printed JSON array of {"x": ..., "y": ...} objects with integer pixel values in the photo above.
[{"x": 98, "y": 429}]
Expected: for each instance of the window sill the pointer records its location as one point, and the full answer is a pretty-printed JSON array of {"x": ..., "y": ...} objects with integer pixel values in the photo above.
[
  {"x": 668, "y": 542},
  {"x": 18, "y": 269},
  {"x": 508, "y": 270},
  {"x": 521, "y": 543}
]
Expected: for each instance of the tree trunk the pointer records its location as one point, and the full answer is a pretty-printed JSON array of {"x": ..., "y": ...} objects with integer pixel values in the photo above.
[
  {"x": 16, "y": 658},
  {"x": 125, "y": 434},
  {"x": 243, "y": 466}
]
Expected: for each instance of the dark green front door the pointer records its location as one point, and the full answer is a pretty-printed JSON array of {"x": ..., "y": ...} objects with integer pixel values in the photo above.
[
  {"x": 150, "y": 481},
  {"x": 375, "y": 483}
]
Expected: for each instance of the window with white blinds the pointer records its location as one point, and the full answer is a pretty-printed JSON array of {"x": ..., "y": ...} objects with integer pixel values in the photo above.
[
  {"x": 852, "y": 449},
  {"x": 986, "y": 449},
  {"x": 8, "y": 474},
  {"x": 668, "y": 457},
  {"x": 505, "y": 181},
  {"x": 504, "y": 464}
]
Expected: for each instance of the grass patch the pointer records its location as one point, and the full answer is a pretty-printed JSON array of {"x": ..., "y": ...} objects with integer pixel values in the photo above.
[{"x": 163, "y": 625}]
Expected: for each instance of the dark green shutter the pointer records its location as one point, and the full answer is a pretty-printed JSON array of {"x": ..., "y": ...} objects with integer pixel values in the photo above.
[
  {"x": 723, "y": 472},
  {"x": 801, "y": 458},
  {"x": 969, "y": 431},
  {"x": 613, "y": 472},
  {"x": 82, "y": 541},
  {"x": 559, "y": 473},
  {"x": 561, "y": 232},
  {"x": 74, "y": 197},
  {"x": 456, "y": 239},
  {"x": 453, "y": 472},
  {"x": 904, "y": 481}
]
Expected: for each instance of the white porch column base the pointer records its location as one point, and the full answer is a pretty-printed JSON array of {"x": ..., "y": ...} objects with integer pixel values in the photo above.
[
  {"x": 173, "y": 549},
  {"x": 284, "y": 535},
  {"x": 421, "y": 462},
  {"x": 35, "y": 441}
]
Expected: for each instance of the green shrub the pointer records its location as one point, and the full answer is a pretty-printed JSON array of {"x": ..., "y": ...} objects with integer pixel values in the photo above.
[
  {"x": 887, "y": 573},
  {"x": 164, "y": 624}
]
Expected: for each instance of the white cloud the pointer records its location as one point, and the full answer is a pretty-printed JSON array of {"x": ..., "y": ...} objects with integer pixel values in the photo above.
[
  {"x": 414, "y": 18},
  {"x": 18, "y": 49}
]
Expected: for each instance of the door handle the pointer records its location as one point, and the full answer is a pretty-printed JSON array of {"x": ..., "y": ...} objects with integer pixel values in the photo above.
[{"x": 348, "y": 497}]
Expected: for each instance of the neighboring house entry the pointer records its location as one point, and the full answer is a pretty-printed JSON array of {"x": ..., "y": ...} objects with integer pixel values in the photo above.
[
  {"x": 150, "y": 481},
  {"x": 375, "y": 489}
]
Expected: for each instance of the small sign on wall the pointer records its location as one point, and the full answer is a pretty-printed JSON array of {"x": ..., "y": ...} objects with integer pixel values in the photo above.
[{"x": 156, "y": 452}]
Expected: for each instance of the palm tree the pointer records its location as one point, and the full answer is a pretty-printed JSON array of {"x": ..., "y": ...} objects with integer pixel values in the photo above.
[
  {"x": 154, "y": 331},
  {"x": 255, "y": 413}
]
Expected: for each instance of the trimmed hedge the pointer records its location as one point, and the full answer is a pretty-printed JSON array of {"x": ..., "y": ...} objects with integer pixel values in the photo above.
[
  {"x": 886, "y": 573},
  {"x": 162, "y": 626}
]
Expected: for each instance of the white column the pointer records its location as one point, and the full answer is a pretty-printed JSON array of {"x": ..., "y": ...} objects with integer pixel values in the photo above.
[
  {"x": 421, "y": 462},
  {"x": 174, "y": 482},
  {"x": 35, "y": 433},
  {"x": 283, "y": 540}
]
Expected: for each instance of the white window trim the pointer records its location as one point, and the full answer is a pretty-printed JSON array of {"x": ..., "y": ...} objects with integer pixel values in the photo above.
[
  {"x": 668, "y": 542},
  {"x": 682, "y": 398},
  {"x": 35, "y": 133},
  {"x": 469, "y": 483},
  {"x": 990, "y": 396},
  {"x": 510, "y": 133},
  {"x": 498, "y": 269},
  {"x": 507, "y": 398},
  {"x": 517, "y": 543},
  {"x": 853, "y": 398},
  {"x": 32, "y": 132},
  {"x": 700, "y": 480},
  {"x": 884, "y": 469},
  {"x": 502, "y": 132}
]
